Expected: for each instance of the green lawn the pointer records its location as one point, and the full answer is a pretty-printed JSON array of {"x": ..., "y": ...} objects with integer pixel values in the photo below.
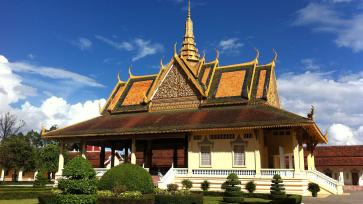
[
  {"x": 215, "y": 200},
  {"x": 24, "y": 201}
]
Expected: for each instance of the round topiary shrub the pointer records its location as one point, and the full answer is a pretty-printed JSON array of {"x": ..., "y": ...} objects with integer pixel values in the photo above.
[
  {"x": 187, "y": 184},
  {"x": 40, "y": 179},
  {"x": 79, "y": 185},
  {"x": 314, "y": 189},
  {"x": 250, "y": 186},
  {"x": 277, "y": 188},
  {"x": 132, "y": 177},
  {"x": 232, "y": 192},
  {"x": 205, "y": 185}
]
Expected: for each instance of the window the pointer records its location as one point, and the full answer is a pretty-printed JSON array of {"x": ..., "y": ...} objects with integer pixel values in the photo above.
[
  {"x": 221, "y": 136},
  {"x": 247, "y": 136},
  {"x": 238, "y": 155},
  {"x": 205, "y": 155}
]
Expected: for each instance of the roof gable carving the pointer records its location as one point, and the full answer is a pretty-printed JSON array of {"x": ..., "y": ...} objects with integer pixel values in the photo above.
[{"x": 175, "y": 84}]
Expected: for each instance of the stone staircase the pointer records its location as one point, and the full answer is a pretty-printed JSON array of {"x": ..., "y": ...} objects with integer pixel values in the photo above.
[{"x": 295, "y": 183}]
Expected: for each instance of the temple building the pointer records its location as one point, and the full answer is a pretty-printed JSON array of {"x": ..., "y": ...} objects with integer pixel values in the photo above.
[{"x": 202, "y": 120}]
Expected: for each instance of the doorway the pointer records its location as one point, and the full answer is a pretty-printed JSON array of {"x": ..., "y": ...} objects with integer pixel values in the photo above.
[{"x": 355, "y": 178}]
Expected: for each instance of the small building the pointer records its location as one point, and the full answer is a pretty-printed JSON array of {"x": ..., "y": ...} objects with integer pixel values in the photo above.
[
  {"x": 202, "y": 120},
  {"x": 343, "y": 163}
]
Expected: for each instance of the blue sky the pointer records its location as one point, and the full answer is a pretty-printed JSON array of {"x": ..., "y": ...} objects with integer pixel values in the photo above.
[{"x": 71, "y": 51}]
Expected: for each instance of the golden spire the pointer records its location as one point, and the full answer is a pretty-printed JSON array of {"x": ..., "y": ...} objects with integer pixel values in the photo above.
[{"x": 189, "y": 50}]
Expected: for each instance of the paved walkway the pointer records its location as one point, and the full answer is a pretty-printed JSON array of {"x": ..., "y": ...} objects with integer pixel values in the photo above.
[{"x": 352, "y": 197}]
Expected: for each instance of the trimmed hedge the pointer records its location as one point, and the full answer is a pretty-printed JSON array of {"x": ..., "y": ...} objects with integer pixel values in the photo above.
[
  {"x": 11, "y": 195},
  {"x": 48, "y": 199},
  {"x": 78, "y": 186},
  {"x": 133, "y": 177},
  {"x": 76, "y": 199},
  {"x": 179, "y": 199},
  {"x": 115, "y": 200}
]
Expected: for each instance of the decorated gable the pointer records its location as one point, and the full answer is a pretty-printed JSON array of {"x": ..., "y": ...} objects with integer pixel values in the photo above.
[{"x": 174, "y": 85}]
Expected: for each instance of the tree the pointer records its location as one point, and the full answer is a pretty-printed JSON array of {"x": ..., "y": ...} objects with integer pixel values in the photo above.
[
  {"x": 10, "y": 125},
  {"x": 232, "y": 193},
  {"x": 277, "y": 188},
  {"x": 17, "y": 154},
  {"x": 79, "y": 184},
  {"x": 48, "y": 157},
  {"x": 35, "y": 139}
]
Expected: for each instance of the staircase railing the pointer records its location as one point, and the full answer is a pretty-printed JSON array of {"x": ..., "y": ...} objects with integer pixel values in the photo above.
[
  {"x": 223, "y": 172},
  {"x": 167, "y": 178},
  {"x": 282, "y": 172},
  {"x": 325, "y": 181},
  {"x": 100, "y": 171}
]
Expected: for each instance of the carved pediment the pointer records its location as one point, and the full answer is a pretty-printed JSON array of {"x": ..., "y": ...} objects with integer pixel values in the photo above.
[{"x": 175, "y": 85}]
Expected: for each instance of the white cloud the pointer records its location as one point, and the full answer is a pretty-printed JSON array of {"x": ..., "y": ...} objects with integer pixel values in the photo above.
[
  {"x": 310, "y": 64},
  {"x": 31, "y": 56},
  {"x": 336, "y": 101},
  {"x": 142, "y": 47},
  {"x": 11, "y": 88},
  {"x": 117, "y": 45},
  {"x": 57, "y": 111},
  {"x": 50, "y": 72},
  {"x": 52, "y": 111},
  {"x": 83, "y": 43},
  {"x": 344, "y": 135},
  {"x": 328, "y": 18},
  {"x": 231, "y": 44},
  {"x": 146, "y": 48}
]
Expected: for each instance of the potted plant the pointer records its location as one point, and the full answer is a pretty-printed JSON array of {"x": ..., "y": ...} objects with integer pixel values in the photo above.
[{"x": 314, "y": 189}]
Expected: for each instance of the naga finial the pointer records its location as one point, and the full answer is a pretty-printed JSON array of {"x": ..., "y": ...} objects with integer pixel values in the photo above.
[
  {"x": 161, "y": 63},
  {"x": 257, "y": 54},
  {"x": 275, "y": 55},
  {"x": 311, "y": 114},
  {"x": 217, "y": 54},
  {"x": 203, "y": 54},
  {"x": 130, "y": 74},
  {"x": 175, "y": 54},
  {"x": 43, "y": 130},
  {"x": 119, "y": 78}
]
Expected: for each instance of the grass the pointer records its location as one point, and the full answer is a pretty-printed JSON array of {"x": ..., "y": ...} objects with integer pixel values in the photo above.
[
  {"x": 22, "y": 201},
  {"x": 17, "y": 194},
  {"x": 215, "y": 200}
]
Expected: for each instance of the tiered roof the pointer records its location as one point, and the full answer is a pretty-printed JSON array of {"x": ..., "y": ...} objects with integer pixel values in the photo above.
[{"x": 190, "y": 89}]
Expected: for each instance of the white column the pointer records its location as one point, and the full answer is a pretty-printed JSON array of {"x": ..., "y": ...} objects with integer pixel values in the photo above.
[
  {"x": 20, "y": 175},
  {"x": 133, "y": 151},
  {"x": 282, "y": 157},
  {"x": 290, "y": 161},
  {"x": 310, "y": 161},
  {"x": 301, "y": 158},
  {"x": 35, "y": 174},
  {"x": 341, "y": 176},
  {"x": 83, "y": 149},
  {"x": 2, "y": 175},
  {"x": 295, "y": 147},
  {"x": 60, "y": 161}
]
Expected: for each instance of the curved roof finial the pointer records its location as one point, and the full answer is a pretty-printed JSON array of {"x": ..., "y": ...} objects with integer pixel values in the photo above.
[
  {"x": 203, "y": 54},
  {"x": 275, "y": 55},
  {"x": 130, "y": 74},
  {"x": 257, "y": 54},
  {"x": 161, "y": 63},
  {"x": 43, "y": 131},
  {"x": 217, "y": 54},
  {"x": 175, "y": 49},
  {"x": 118, "y": 77}
]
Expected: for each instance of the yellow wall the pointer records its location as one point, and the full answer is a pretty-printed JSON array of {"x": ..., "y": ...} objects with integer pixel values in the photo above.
[
  {"x": 222, "y": 154},
  {"x": 221, "y": 151}
]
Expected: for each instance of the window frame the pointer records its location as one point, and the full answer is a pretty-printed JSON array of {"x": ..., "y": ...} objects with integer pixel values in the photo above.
[
  {"x": 200, "y": 156},
  {"x": 233, "y": 156}
]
